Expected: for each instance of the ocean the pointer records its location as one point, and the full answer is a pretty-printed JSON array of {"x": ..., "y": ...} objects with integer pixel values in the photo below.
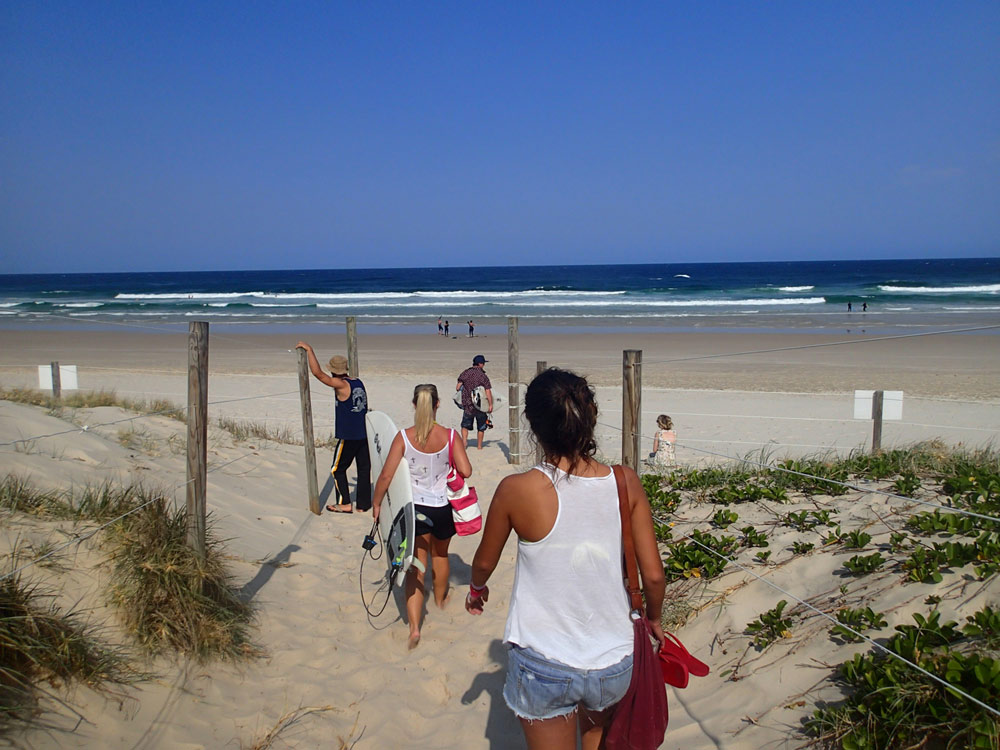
[{"x": 779, "y": 296}]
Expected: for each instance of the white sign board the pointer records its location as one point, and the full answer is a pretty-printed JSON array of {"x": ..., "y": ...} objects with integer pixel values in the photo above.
[
  {"x": 892, "y": 404},
  {"x": 67, "y": 377}
]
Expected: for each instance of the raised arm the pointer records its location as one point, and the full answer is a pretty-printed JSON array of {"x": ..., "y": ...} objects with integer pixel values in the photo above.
[{"x": 315, "y": 369}]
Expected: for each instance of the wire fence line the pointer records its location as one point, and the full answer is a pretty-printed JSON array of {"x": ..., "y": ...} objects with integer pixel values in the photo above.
[
  {"x": 820, "y": 345},
  {"x": 847, "y": 485},
  {"x": 949, "y": 686},
  {"x": 80, "y": 538},
  {"x": 133, "y": 418},
  {"x": 834, "y": 420}
]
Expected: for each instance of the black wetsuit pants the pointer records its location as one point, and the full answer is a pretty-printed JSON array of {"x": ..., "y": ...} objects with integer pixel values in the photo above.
[{"x": 345, "y": 452}]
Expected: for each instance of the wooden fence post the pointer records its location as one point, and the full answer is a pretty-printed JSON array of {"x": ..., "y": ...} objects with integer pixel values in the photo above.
[
  {"x": 352, "y": 347},
  {"x": 305, "y": 399},
  {"x": 513, "y": 387},
  {"x": 540, "y": 367},
  {"x": 877, "y": 398},
  {"x": 56, "y": 381},
  {"x": 197, "y": 434},
  {"x": 631, "y": 406}
]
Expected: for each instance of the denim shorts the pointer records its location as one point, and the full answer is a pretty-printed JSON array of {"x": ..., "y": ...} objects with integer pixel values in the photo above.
[
  {"x": 477, "y": 417},
  {"x": 538, "y": 688}
]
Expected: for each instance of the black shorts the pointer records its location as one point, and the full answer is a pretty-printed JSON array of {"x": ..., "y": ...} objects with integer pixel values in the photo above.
[
  {"x": 440, "y": 516},
  {"x": 479, "y": 417}
]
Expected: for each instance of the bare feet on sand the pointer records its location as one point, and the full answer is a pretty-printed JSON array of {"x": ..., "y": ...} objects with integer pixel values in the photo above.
[{"x": 414, "y": 640}]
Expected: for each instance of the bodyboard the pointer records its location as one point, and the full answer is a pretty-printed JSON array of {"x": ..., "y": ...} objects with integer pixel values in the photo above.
[{"x": 397, "y": 519}]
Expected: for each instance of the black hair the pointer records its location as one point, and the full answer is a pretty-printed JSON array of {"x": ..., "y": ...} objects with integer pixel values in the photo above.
[{"x": 562, "y": 410}]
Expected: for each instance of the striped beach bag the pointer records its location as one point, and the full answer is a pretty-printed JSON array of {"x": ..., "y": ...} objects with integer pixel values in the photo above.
[{"x": 465, "y": 510}]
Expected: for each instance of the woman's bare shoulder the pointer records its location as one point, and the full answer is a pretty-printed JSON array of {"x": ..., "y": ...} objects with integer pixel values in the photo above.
[{"x": 525, "y": 481}]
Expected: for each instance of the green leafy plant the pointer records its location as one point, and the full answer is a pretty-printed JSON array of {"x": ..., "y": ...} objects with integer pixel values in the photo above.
[
  {"x": 770, "y": 626},
  {"x": 858, "y": 620},
  {"x": 691, "y": 559},
  {"x": 860, "y": 565},
  {"x": 724, "y": 518},
  {"x": 762, "y": 556},
  {"x": 661, "y": 500},
  {"x": 907, "y": 484},
  {"x": 856, "y": 539},
  {"x": 799, "y": 521},
  {"x": 898, "y": 541},
  {"x": 893, "y": 705},
  {"x": 753, "y": 538},
  {"x": 823, "y": 517},
  {"x": 801, "y": 548},
  {"x": 834, "y": 536}
]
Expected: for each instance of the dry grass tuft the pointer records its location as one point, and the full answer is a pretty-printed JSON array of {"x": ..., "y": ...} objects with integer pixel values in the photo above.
[
  {"x": 41, "y": 644},
  {"x": 289, "y": 719},
  {"x": 245, "y": 429},
  {"x": 167, "y": 597},
  {"x": 91, "y": 400}
]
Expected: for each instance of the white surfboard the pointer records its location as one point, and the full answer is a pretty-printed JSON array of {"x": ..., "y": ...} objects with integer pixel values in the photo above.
[{"x": 397, "y": 519}]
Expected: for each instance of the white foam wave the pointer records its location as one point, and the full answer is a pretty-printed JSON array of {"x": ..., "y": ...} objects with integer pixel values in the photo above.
[
  {"x": 898, "y": 309},
  {"x": 626, "y": 303},
  {"x": 189, "y": 295},
  {"x": 78, "y": 304},
  {"x": 218, "y": 304},
  {"x": 980, "y": 289},
  {"x": 974, "y": 308},
  {"x": 362, "y": 296},
  {"x": 9, "y": 304},
  {"x": 806, "y": 288}
]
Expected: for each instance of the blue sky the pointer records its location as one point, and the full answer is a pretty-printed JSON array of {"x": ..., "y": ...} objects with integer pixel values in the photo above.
[{"x": 197, "y": 136}]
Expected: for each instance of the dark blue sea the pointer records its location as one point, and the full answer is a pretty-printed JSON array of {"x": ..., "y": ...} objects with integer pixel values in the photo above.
[{"x": 678, "y": 296}]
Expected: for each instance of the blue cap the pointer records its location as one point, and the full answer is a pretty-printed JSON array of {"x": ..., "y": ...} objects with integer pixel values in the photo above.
[{"x": 479, "y": 359}]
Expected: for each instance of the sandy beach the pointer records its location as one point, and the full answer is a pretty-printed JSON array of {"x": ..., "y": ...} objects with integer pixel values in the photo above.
[{"x": 304, "y": 571}]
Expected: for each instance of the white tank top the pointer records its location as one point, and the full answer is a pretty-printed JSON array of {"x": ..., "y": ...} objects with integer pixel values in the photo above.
[
  {"x": 569, "y": 602},
  {"x": 428, "y": 473}
]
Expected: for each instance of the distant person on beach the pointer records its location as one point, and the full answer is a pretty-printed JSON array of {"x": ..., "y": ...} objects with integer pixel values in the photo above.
[
  {"x": 425, "y": 448},
  {"x": 568, "y": 624},
  {"x": 446, "y": 328},
  {"x": 350, "y": 437},
  {"x": 663, "y": 442},
  {"x": 470, "y": 379},
  {"x": 848, "y": 307},
  {"x": 440, "y": 328},
  {"x": 472, "y": 329},
  {"x": 864, "y": 307}
]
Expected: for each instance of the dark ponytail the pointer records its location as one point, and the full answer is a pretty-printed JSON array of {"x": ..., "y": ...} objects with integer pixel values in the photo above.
[{"x": 562, "y": 410}]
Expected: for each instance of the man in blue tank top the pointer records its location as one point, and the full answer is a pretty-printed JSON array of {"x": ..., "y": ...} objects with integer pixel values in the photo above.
[{"x": 350, "y": 437}]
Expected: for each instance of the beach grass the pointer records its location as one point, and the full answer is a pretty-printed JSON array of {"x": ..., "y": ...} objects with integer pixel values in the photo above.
[
  {"x": 167, "y": 597},
  {"x": 98, "y": 503},
  {"x": 248, "y": 429},
  {"x": 92, "y": 400},
  {"x": 40, "y": 643}
]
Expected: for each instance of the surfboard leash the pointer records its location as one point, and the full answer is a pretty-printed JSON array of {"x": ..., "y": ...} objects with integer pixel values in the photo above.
[{"x": 372, "y": 541}]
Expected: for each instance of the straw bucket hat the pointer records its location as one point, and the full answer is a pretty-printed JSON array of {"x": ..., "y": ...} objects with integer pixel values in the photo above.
[{"x": 338, "y": 365}]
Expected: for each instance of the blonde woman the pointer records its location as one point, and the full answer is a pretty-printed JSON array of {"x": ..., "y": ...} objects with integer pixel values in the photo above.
[
  {"x": 663, "y": 442},
  {"x": 425, "y": 447}
]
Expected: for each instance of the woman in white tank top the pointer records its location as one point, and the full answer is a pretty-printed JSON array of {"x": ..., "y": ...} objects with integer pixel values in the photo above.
[
  {"x": 568, "y": 622},
  {"x": 424, "y": 447}
]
